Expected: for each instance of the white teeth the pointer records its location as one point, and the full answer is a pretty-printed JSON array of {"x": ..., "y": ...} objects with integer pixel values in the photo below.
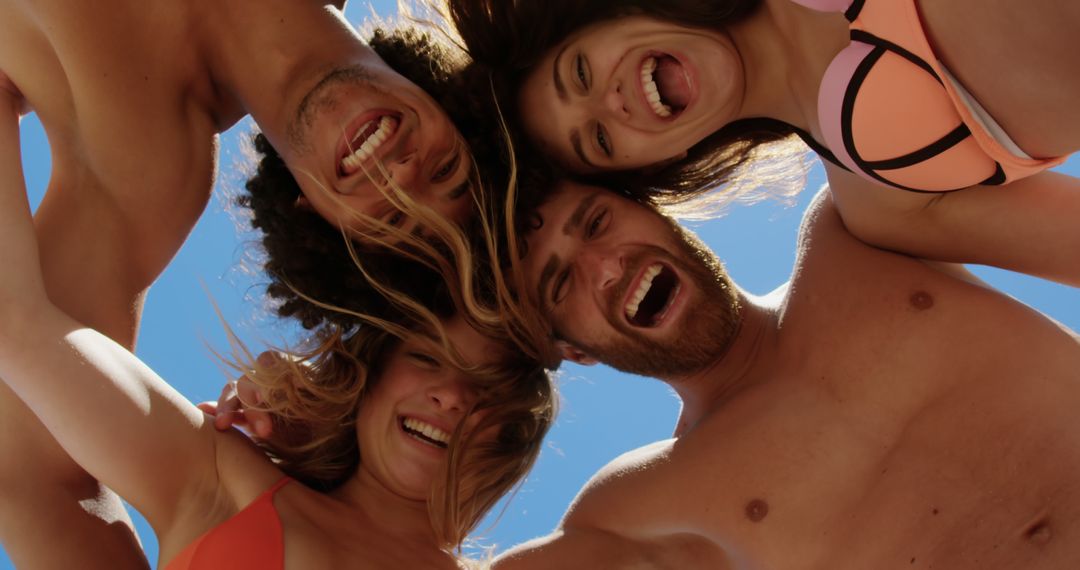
[
  {"x": 428, "y": 430},
  {"x": 368, "y": 147},
  {"x": 652, "y": 94},
  {"x": 644, "y": 285}
]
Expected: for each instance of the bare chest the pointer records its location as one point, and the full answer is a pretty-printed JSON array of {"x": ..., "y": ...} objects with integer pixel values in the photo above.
[
  {"x": 126, "y": 107},
  {"x": 939, "y": 428}
]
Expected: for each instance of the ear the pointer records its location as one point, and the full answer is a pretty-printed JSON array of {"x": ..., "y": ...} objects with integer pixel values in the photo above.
[
  {"x": 658, "y": 166},
  {"x": 574, "y": 354},
  {"x": 303, "y": 203}
]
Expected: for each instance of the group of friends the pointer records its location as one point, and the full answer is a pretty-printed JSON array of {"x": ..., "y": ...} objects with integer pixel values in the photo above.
[{"x": 453, "y": 205}]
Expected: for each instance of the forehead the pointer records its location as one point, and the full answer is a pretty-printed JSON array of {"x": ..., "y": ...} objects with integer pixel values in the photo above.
[{"x": 475, "y": 348}]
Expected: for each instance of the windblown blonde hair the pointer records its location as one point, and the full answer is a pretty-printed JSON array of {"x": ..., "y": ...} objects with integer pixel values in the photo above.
[{"x": 316, "y": 389}]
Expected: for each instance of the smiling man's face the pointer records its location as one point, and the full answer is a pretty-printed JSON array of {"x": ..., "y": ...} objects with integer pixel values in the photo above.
[{"x": 627, "y": 286}]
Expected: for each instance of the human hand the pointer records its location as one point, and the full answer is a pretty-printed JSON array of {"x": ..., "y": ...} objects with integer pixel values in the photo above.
[{"x": 237, "y": 406}]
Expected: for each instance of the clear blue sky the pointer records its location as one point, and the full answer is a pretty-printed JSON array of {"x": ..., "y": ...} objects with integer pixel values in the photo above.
[{"x": 604, "y": 413}]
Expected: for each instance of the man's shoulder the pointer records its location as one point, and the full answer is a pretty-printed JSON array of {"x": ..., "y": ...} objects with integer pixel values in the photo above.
[
  {"x": 624, "y": 518},
  {"x": 626, "y": 472}
]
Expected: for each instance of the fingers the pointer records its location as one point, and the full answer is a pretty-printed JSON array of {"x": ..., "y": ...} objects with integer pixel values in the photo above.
[{"x": 250, "y": 399}]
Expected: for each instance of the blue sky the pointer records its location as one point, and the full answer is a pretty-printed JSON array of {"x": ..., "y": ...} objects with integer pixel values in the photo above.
[{"x": 604, "y": 413}]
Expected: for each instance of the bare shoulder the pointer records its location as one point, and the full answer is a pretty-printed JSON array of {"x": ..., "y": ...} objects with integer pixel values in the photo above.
[
  {"x": 243, "y": 472},
  {"x": 621, "y": 520},
  {"x": 600, "y": 500}
]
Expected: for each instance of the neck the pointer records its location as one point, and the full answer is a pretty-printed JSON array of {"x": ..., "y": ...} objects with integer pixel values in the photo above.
[
  {"x": 265, "y": 55},
  {"x": 733, "y": 371},
  {"x": 402, "y": 519},
  {"x": 785, "y": 50}
]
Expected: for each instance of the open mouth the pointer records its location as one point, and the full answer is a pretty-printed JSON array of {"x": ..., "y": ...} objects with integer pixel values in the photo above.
[
  {"x": 425, "y": 432},
  {"x": 666, "y": 85},
  {"x": 649, "y": 302},
  {"x": 363, "y": 143}
]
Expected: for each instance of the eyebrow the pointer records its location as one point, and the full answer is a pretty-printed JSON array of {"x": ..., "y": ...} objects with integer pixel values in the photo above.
[
  {"x": 572, "y": 223},
  {"x": 579, "y": 213}
]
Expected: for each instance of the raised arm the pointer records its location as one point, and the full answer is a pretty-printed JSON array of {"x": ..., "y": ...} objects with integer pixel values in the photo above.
[
  {"x": 1031, "y": 225},
  {"x": 112, "y": 414}
]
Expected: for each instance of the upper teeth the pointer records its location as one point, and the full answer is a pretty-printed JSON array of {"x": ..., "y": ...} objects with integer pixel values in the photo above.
[
  {"x": 652, "y": 94},
  {"x": 369, "y": 146},
  {"x": 643, "y": 289},
  {"x": 428, "y": 430}
]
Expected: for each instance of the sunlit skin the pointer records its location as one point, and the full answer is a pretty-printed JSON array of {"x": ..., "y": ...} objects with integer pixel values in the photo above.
[
  {"x": 417, "y": 383},
  {"x": 583, "y": 104},
  {"x": 132, "y": 101},
  {"x": 877, "y": 411},
  {"x": 423, "y": 154},
  {"x": 589, "y": 256}
]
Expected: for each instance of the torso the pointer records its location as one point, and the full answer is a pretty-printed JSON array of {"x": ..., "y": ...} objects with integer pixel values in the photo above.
[
  {"x": 132, "y": 135},
  {"x": 916, "y": 421},
  {"x": 318, "y": 530}
]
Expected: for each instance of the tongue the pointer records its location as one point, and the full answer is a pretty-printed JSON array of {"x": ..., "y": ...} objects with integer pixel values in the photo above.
[{"x": 671, "y": 82}]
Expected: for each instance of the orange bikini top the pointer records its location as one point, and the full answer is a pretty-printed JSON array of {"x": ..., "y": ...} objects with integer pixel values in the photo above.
[
  {"x": 252, "y": 539},
  {"x": 890, "y": 112}
]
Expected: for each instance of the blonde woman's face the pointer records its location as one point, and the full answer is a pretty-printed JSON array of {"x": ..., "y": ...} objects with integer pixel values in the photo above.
[{"x": 405, "y": 421}]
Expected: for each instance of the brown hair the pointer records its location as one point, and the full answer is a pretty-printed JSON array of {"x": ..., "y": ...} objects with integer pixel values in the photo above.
[
  {"x": 314, "y": 395},
  {"x": 507, "y": 39},
  {"x": 312, "y": 266}
]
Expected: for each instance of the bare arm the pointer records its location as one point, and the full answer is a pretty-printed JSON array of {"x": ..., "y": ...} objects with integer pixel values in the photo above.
[
  {"x": 1031, "y": 225},
  {"x": 149, "y": 443}
]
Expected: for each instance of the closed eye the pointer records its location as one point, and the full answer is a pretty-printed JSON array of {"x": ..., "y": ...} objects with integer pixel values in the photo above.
[
  {"x": 597, "y": 224},
  {"x": 582, "y": 72},
  {"x": 423, "y": 359},
  {"x": 561, "y": 287},
  {"x": 447, "y": 169},
  {"x": 603, "y": 140},
  {"x": 396, "y": 218}
]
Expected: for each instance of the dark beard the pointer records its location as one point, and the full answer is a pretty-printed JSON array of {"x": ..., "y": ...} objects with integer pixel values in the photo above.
[{"x": 710, "y": 321}]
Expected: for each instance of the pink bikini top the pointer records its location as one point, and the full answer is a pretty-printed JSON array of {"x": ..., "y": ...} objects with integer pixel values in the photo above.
[{"x": 891, "y": 113}]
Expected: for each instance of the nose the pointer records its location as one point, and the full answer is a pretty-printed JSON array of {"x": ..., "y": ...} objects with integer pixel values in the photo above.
[
  {"x": 451, "y": 393},
  {"x": 615, "y": 102},
  {"x": 405, "y": 172},
  {"x": 603, "y": 266}
]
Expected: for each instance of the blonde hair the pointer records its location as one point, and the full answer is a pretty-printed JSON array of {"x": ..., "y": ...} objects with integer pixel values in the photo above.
[{"x": 316, "y": 389}]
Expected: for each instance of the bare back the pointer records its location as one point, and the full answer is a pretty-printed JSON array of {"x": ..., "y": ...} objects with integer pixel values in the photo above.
[{"x": 898, "y": 417}]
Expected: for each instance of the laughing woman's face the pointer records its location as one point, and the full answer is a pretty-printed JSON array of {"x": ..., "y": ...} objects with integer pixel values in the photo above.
[{"x": 631, "y": 92}]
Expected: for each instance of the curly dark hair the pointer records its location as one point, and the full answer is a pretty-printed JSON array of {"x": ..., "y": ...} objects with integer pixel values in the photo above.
[
  {"x": 308, "y": 259},
  {"x": 507, "y": 39}
]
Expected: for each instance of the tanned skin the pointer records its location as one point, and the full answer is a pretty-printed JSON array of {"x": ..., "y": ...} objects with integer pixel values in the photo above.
[
  {"x": 878, "y": 412},
  {"x": 132, "y": 98}
]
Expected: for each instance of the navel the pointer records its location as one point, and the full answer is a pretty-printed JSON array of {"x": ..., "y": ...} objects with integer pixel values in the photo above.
[
  {"x": 1039, "y": 532},
  {"x": 921, "y": 300},
  {"x": 757, "y": 510}
]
